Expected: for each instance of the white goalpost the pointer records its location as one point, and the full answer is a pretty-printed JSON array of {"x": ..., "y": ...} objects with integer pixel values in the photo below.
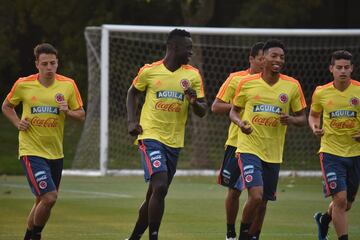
[{"x": 116, "y": 52}]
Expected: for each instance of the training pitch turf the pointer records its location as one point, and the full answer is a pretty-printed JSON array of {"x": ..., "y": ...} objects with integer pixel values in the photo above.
[{"x": 106, "y": 208}]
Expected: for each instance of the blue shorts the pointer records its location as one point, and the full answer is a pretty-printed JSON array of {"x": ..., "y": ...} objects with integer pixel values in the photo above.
[
  {"x": 256, "y": 172},
  {"x": 42, "y": 174},
  {"x": 340, "y": 174},
  {"x": 229, "y": 174},
  {"x": 158, "y": 157}
]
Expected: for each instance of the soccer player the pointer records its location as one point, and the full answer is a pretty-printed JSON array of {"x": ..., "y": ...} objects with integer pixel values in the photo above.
[
  {"x": 171, "y": 86},
  {"x": 46, "y": 98},
  {"x": 337, "y": 105},
  {"x": 266, "y": 100},
  {"x": 229, "y": 175}
]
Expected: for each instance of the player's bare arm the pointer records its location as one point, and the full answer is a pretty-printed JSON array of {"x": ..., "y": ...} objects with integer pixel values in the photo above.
[
  {"x": 314, "y": 123},
  {"x": 235, "y": 118},
  {"x": 77, "y": 114},
  {"x": 221, "y": 107},
  {"x": 132, "y": 103},
  {"x": 9, "y": 112},
  {"x": 298, "y": 119},
  {"x": 199, "y": 107}
]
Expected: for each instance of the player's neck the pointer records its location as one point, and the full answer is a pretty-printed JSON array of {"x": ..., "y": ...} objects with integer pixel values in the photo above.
[
  {"x": 46, "y": 82},
  {"x": 342, "y": 85},
  {"x": 270, "y": 77},
  {"x": 171, "y": 64}
]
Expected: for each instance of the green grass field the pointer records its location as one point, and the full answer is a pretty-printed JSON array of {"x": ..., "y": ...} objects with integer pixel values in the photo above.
[{"x": 106, "y": 208}]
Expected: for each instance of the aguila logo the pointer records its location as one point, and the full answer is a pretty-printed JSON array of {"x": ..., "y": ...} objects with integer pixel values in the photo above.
[
  {"x": 248, "y": 178},
  {"x": 185, "y": 84},
  {"x": 283, "y": 98},
  {"x": 59, "y": 97},
  {"x": 354, "y": 101}
]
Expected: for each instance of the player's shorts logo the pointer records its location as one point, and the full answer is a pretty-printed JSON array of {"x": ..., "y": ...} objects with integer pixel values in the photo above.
[
  {"x": 59, "y": 97},
  {"x": 249, "y": 178},
  {"x": 42, "y": 184},
  {"x": 156, "y": 163},
  {"x": 354, "y": 101},
  {"x": 185, "y": 84},
  {"x": 283, "y": 98},
  {"x": 332, "y": 185}
]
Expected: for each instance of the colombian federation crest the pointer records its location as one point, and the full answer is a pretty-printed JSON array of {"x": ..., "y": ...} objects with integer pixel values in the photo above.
[
  {"x": 283, "y": 98},
  {"x": 354, "y": 101},
  {"x": 59, "y": 97},
  {"x": 248, "y": 178},
  {"x": 185, "y": 84}
]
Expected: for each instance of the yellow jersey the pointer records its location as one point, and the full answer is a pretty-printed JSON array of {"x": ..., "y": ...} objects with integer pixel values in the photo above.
[
  {"x": 165, "y": 110},
  {"x": 226, "y": 94},
  {"x": 341, "y": 118},
  {"x": 44, "y": 137},
  {"x": 262, "y": 106}
]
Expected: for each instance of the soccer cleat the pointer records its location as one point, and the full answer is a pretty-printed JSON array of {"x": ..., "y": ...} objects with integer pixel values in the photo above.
[
  {"x": 231, "y": 238},
  {"x": 322, "y": 229}
]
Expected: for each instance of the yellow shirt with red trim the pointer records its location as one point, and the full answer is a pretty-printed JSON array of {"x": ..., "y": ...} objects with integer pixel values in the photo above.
[
  {"x": 341, "y": 118},
  {"x": 226, "y": 94},
  {"x": 44, "y": 137},
  {"x": 165, "y": 110},
  {"x": 262, "y": 106}
]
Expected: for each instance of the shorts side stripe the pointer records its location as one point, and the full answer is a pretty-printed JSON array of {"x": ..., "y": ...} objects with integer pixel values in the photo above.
[
  {"x": 31, "y": 174},
  {"x": 241, "y": 170},
  {"x": 147, "y": 159},
  {"x": 324, "y": 174}
]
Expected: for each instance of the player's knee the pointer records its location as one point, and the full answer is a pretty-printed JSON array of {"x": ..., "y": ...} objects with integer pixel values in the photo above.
[
  {"x": 341, "y": 203},
  {"x": 160, "y": 189},
  {"x": 49, "y": 199},
  {"x": 234, "y": 194},
  {"x": 348, "y": 207}
]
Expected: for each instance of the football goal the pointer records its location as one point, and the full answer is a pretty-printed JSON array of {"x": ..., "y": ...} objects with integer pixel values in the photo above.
[{"x": 116, "y": 52}]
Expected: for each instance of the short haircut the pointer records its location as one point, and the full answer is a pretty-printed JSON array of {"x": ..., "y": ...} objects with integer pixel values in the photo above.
[
  {"x": 272, "y": 43},
  {"x": 254, "y": 51},
  {"x": 44, "y": 48},
  {"x": 341, "y": 54},
  {"x": 177, "y": 33}
]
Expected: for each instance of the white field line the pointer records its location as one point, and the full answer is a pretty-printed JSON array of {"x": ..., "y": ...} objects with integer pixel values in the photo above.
[{"x": 179, "y": 172}]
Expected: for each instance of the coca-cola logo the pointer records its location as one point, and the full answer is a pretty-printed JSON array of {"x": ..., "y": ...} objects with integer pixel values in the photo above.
[
  {"x": 168, "y": 107},
  {"x": 265, "y": 121},
  {"x": 44, "y": 122},
  {"x": 337, "y": 124}
]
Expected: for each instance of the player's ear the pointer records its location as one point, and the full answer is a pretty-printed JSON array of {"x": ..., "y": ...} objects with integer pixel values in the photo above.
[{"x": 331, "y": 68}]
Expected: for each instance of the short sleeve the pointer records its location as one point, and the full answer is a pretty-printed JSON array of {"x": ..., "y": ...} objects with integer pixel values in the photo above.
[
  {"x": 315, "y": 101},
  {"x": 75, "y": 101},
  {"x": 140, "y": 81},
  {"x": 298, "y": 100},
  {"x": 240, "y": 95},
  {"x": 198, "y": 86},
  {"x": 15, "y": 96},
  {"x": 227, "y": 90}
]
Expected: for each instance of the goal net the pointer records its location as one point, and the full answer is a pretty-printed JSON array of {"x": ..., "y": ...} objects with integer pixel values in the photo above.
[{"x": 115, "y": 54}]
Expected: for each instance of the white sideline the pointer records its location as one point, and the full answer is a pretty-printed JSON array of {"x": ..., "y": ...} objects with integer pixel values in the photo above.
[{"x": 179, "y": 172}]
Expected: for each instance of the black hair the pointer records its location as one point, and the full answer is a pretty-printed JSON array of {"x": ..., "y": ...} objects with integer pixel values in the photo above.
[
  {"x": 44, "y": 48},
  {"x": 341, "y": 54},
  {"x": 177, "y": 33},
  {"x": 272, "y": 43},
  {"x": 254, "y": 51}
]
